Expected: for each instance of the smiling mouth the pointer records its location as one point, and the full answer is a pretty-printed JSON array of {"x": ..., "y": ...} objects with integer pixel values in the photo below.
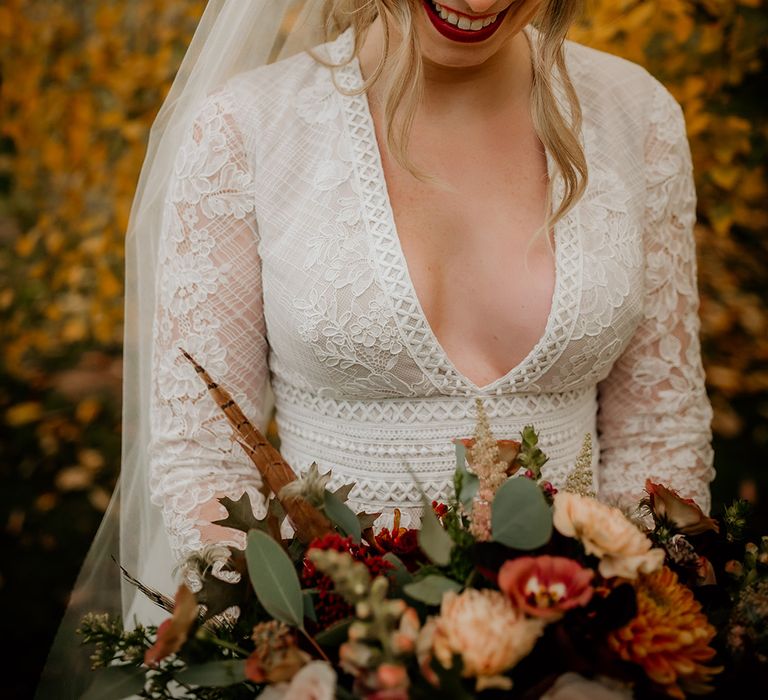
[{"x": 460, "y": 27}]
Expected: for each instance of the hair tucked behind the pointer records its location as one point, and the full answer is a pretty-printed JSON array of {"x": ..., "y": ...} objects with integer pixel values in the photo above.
[{"x": 403, "y": 85}]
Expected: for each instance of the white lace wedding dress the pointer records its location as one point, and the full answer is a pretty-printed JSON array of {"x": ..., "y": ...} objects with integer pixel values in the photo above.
[{"x": 282, "y": 273}]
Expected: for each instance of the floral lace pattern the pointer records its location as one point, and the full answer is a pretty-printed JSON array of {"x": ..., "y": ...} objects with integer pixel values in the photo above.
[{"x": 281, "y": 267}]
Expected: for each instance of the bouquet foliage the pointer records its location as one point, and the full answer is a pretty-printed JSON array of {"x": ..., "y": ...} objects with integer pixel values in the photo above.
[{"x": 512, "y": 589}]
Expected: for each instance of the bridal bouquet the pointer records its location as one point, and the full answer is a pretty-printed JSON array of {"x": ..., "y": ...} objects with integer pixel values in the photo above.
[{"x": 512, "y": 589}]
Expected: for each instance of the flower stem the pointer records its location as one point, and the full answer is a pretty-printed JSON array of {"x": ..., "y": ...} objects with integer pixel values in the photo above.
[
  {"x": 229, "y": 645},
  {"x": 314, "y": 644}
]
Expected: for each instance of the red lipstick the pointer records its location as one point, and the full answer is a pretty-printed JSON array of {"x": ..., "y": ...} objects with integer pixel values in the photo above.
[{"x": 451, "y": 31}]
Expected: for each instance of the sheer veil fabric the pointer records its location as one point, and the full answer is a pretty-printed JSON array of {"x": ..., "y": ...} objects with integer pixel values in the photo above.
[{"x": 232, "y": 37}]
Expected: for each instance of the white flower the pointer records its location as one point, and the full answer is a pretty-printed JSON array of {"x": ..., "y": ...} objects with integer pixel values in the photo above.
[
  {"x": 572, "y": 686},
  {"x": 315, "y": 681}
]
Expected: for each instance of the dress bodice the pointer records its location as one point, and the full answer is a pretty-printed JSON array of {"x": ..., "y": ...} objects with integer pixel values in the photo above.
[{"x": 283, "y": 274}]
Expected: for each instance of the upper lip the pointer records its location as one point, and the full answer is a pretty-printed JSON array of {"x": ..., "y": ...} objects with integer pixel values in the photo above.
[{"x": 464, "y": 14}]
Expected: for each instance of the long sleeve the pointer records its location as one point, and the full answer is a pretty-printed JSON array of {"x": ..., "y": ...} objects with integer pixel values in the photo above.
[
  {"x": 654, "y": 417},
  {"x": 209, "y": 301}
]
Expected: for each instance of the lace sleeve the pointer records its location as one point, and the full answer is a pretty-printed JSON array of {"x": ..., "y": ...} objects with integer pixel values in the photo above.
[
  {"x": 654, "y": 419},
  {"x": 209, "y": 302}
]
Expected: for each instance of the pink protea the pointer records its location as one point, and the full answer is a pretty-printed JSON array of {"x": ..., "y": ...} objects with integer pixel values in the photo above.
[
  {"x": 489, "y": 633},
  {"x": 545, "y": 586}
]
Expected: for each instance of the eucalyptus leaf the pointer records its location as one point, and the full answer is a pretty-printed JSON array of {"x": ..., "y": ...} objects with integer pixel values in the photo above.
[
  {"x": 342, "y": 515},
  {"x": 309, "y": 604},
  {"x": 214, "y": 673},
  {"x": 400, "y": 572},
  {"x": 274, "y": 579},
  {"x": 431, "y": 588},
  {"x": 520, "y": 515},
  {"x": 116, "y": 682},
  {"x": 434, "y": 541},
  {"x": 467, "y": 482},
  {"x": 334, "y": 635}
]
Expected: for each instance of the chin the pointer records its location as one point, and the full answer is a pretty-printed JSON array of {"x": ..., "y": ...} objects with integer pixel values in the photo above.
[{"x": 445, "y": 44}]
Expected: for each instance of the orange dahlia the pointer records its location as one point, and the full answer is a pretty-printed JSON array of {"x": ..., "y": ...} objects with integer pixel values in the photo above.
[{"x": 669, "y": 637}]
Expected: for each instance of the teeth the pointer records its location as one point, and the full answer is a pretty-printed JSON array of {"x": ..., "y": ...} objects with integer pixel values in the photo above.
[{"x": 463, "y": 22}]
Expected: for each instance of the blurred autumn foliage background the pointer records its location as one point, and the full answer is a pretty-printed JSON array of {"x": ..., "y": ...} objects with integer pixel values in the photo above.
[{"x": 81, "y": 83}]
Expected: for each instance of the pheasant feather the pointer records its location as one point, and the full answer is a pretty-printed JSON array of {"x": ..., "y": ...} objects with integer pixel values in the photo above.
[{"x": 307, "y": 521}]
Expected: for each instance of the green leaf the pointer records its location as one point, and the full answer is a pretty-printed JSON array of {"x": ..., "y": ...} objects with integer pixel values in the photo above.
[
  {"x": 335, "y": 635},
  {"x": 367, "y": 520},
  {"x": 214, "y": 673},
  {"x": 434, "y": 541},
  {"x": 342, "y": 493},
  {"x": 520, "y": 515},
  {"x": 400, "y": 572},
  {"x": 531, "y": 457},
  {"x": 342, "y": 515},
  {"x": 274, "y": 510},
  {"x": 431, "y": 588},
  {"x": 343, "y": 694},
  {"x": 218, "y": 595},
  {"x": 296, "y": 551},
  {"x": 239, "y": 514},
  {"x": 116, "y": 682},
  {"x": 451, "y": 681},
  {"x": 309, "y": 604},
  {"x": 466, "y": 482},
  {"x": 274, "y": 579}
]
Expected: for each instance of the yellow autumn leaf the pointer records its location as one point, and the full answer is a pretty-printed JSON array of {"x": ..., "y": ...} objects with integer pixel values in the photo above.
[
  {"x": 23, "y": 413},
  {"x": 87, "y": 410}
]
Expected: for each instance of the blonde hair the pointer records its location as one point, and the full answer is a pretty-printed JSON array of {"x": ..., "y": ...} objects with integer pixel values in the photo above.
[{"x": 403, "y": 86}]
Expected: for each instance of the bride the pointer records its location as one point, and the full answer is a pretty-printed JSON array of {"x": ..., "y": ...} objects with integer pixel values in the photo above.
[{"x": 439, "y": 201}]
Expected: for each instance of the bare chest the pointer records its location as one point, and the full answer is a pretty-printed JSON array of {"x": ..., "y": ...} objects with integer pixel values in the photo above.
[{"x": 465, "y": 249}]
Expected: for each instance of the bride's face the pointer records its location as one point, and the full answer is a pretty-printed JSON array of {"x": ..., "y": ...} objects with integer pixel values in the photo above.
[{"x": 452, "y": 32}]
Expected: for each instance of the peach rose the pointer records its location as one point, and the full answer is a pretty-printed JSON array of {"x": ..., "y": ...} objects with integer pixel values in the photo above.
[
  {"x": 489, "y": 633},
  {"x": 606, "y": 532}
]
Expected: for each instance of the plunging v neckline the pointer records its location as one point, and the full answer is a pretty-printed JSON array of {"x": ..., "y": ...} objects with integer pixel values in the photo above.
[{"x": 394, "y": 273}]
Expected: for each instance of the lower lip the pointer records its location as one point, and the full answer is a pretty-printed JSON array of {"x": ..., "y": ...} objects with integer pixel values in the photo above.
[{"x": 451, "y": 31}]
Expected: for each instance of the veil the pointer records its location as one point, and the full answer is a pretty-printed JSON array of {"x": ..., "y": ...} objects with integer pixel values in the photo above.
[{"x": 233, "y": 36}]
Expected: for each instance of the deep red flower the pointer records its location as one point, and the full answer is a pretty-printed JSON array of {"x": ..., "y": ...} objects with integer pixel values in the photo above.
[
  {"x": 440, "y": 509},
  {"x": 331, "y": 607},
  {"x": 546, "y": 586},
  {"x": 402, "y": 542}
]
